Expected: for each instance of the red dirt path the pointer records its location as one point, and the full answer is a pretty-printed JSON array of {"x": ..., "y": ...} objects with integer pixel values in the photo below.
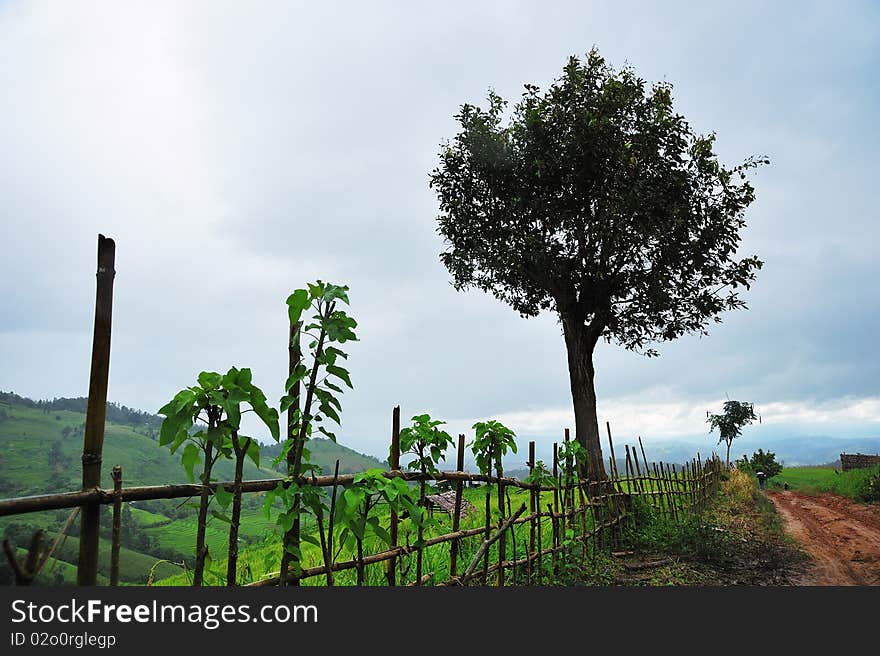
[{"x": 842, "y": 537}]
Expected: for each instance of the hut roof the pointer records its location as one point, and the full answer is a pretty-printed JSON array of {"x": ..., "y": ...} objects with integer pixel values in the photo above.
[{"x": 446, "y": 501}]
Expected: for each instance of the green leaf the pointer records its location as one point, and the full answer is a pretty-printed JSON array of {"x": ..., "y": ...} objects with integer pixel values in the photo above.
[
  {"x": 223, "y": 497},
  {"x": 209, "y": 379},
  {"x": 287, "y": 401},
  {"x": 340, "y": 373},
  {"x": 221, "y": 517},
  {"x": 190, "y": 458},
  {"x": 296, "y": 303},
  {"x": 253, "y": 452},
  {"x": 172, "y": 425}
]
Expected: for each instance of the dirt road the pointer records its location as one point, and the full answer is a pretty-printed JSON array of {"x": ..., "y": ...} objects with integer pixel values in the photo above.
[{"x": 841, "y": 536}]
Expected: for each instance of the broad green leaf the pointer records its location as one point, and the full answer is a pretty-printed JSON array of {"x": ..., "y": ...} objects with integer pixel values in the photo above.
[
  {"x": 190, "y": 458},
  {"x": 340, "y": 373},
  {"x": 253, "y": 452},
  {"x": 223, "y": 497},
  {"x": 209, "y": 379},
  {"x": 296, "y": 303}
]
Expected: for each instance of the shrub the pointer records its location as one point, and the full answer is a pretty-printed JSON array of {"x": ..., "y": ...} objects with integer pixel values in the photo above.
[
  {"x": 869, "y": 490},
  {"x": 760, "y": 461},
  {"x": 739, "y": 486}
]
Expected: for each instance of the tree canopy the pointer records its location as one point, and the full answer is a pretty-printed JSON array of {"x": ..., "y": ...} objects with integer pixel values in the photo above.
[{"x": 596, "y": 200}]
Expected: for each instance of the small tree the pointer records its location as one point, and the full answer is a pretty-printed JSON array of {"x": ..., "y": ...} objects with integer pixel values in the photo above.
[
  {"x": 206, "y": 419},
  {"x": 428, "y": 444},
  {"x": 355, "y": 510},
  {"x": 760, "y": 461},
  {"x": 312, "y": 393},
  {"x": 491, "y": 443},
  {"x": 730, "y": 423},
  {"x": 597, "y": 202}
]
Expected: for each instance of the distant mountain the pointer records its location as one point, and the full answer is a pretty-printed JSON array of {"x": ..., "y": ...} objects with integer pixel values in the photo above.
[
  {"x": 325, "y": 453},
  {"x": 793, "y": 451}
]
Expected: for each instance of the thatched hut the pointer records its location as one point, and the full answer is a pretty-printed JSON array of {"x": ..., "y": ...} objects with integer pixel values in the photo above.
[{"x": 445, "y": 501}]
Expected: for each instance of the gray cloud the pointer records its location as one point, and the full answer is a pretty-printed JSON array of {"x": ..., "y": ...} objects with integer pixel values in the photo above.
[{"x": 236, "y": 153}]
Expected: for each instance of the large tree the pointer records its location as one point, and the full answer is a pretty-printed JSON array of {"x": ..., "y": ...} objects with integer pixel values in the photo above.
[{"x": 595, "y": 200}]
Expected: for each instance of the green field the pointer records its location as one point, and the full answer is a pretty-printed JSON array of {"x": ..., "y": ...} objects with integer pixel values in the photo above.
[{"x": 850, "y": 484}]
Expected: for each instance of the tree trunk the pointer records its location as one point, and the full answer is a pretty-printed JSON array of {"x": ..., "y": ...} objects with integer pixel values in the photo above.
[
  {"x": 728, "y": 453},
  {"x": 580, "y": 343}
]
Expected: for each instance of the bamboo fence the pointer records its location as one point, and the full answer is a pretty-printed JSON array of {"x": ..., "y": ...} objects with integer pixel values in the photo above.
[{"x": 578, "y": 516}]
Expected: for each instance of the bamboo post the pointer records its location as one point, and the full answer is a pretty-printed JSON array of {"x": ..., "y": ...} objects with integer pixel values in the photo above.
[
  {"x": 644, "y": 457},
  {"x": 331, "y": 521},
  {"x": 615, "y": 478},
  {"x": 664, "y": 469},
  {"x": 554, "y": 509},
  {"x": 539, "y": 537},
  {"x": 631, "y": 484},
  {"x": 676, "y": 488},
  {"x": 531, "y": 549},
  {"x": 658, "y": 492},
  {"x": 487, "y": 531},
  {"x": 661, "y": 482},
  {"x": 117, "y": 524},
  {"x": 394, "y": 463},
  {"x": 569, "y": 479},
  {"x": 502, "y": 539},
  {"x": 96, "y": 412},
  {"x": 638, "y": 471},
  {"x": 456, "y": 517},
  {"x": 611, "y": 446}
]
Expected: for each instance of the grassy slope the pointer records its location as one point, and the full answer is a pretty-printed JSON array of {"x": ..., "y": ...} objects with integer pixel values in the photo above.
[
  {"x": 27, "y": 435},
  {"x": 324, "y": 453},
  {"x": 825, "y": 479}
]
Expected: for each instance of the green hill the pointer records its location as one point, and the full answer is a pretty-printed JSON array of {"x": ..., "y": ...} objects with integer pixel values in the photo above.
[
  {"x": 325, "y": 453},
  {"x": 40, "y": 449}
]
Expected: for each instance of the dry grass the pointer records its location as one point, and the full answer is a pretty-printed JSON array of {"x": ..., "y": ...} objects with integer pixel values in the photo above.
[{"x": 739, "y": 488}]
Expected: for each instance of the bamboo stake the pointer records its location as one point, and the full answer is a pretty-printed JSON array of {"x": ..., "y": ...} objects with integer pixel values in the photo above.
[
  {"x": 96, "y": 412},
  {"x": 488, "y": 525},
  {"x": 456, "y": 517},
  {"x": 502, "y": 540},
  {"x": 531, "y": 549},
  {"x": 644, "y": 457},
  {"x": 394, "y": 463},
  {"x": 554, "y": 509},
  {"x": 331, "y": 521},
  {"x": 117, "y": 524}
]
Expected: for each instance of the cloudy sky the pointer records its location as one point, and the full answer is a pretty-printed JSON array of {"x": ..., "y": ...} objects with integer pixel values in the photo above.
[{"x": 236, "y": 151}]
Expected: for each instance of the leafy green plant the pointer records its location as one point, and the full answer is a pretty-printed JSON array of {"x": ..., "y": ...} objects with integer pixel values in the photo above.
[
  {"x": 760, "y": 461},
  {"x": 428, "y": 444},
  {"x": 205, "y": 421},
  {"x": 311, "y": 392},
  {"x": 356, "y": 516},
  {"x": 492, "y": 441}
]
